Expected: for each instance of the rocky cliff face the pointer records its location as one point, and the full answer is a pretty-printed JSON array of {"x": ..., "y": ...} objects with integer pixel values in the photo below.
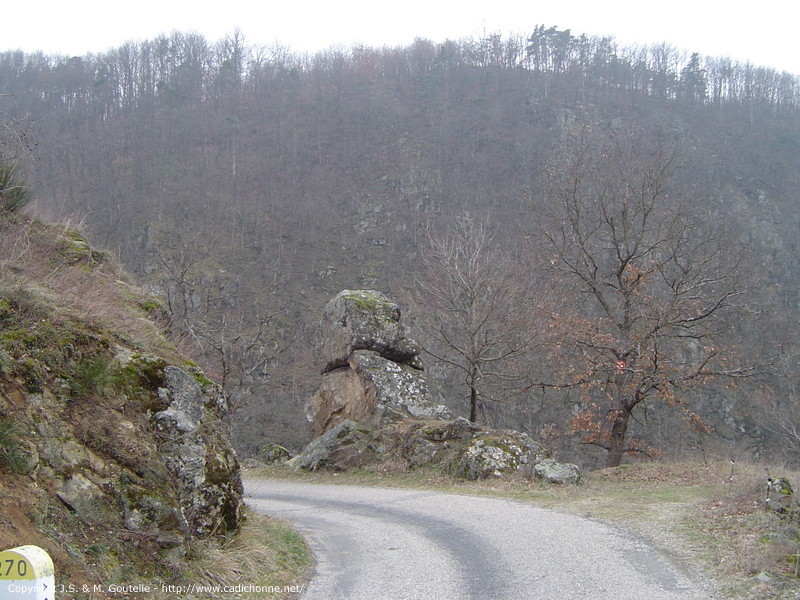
[
  {"x": 115, "y": 454},
  {"x": 372, "y": 369}
]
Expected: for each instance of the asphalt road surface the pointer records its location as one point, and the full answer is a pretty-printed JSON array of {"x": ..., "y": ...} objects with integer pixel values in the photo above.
[{"x": 393, "y": 544}]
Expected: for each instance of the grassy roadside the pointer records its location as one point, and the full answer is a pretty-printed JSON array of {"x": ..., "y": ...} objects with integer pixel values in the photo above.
[
  {"x": 266, "y": 560},
  {"x": 709, "y": 517}
]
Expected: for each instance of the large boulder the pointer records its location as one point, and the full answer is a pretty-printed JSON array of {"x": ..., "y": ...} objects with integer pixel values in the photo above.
[
  {"x": 347, "y": 445},
  {"x": 552, "y": 471},
  {"x": 780, "y": 498},
  {"x": 273, "y": 454},
  {"x": 494, "y": 454},
  {"x": 365, "y": 320},
  {"x": 439, "y": 443},
  {"x": 372, "y": 370}
]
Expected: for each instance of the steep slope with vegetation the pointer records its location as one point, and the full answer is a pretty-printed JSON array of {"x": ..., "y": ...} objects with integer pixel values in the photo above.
[
  {"x": 247, "y": 186},
  {"x": 114, "y": 451}
]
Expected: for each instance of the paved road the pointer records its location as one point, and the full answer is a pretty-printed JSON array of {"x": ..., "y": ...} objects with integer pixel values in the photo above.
[{"x": 391, "y": 544}]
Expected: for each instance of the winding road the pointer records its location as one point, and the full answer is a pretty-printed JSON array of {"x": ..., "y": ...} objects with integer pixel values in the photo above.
[{"x": 398, "y": 544}]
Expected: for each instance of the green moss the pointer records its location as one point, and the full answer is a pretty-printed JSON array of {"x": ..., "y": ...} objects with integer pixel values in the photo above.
[
  {"x": 199, "y": 375},
  {"x": 149, "y": 367},
  {"x": 150, "y": 502},
  {"x": 21, "y": 338},
  {"x": 20, "y": 305},
  {"x": 140, "y": 380},
  {"x": 273, "y": 453},
  {"x": 32, "y": 372},
  {"x": 366, "y": 300},
  {"x": 75, "y": 249},
  {"x": 218, "y": 460},
  {"x": 153, "y": 307},
  {"x": 150, "y": 304},
  {"x": 374, "y": 303}
]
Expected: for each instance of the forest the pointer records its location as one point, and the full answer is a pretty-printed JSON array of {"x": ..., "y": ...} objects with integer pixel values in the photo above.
[{"x": 637, "y": 206}]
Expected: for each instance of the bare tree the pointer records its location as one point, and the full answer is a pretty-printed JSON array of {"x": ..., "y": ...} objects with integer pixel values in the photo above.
[
  {"x": 208, "y": 318},
  {"x": 477, "y": 306},
  {"x": 651, "y": 282},
  {"x": 238, "y": 348},
  {"x": 780, "y": 399}
]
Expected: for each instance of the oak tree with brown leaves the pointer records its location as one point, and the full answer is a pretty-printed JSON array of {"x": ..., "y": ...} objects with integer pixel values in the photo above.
[{"x": 651, "y": 281}]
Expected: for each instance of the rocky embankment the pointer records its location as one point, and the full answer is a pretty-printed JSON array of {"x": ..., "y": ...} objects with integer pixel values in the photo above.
[{"x": 114, "y": 454}]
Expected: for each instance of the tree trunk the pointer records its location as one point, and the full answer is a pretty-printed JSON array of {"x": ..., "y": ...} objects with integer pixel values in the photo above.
[
  {"x": 473, "y": 405},
  {"x": 616, "y": 446}
]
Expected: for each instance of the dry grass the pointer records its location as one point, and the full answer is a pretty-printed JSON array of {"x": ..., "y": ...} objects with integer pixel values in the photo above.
[
  {"x": 266, "y": 556},
  {"x": 708, "y": 516},
  {"x": 56, "y": 264}
]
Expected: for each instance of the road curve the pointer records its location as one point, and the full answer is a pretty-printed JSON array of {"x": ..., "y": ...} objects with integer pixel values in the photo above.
[{"x": 393, "y": 544}]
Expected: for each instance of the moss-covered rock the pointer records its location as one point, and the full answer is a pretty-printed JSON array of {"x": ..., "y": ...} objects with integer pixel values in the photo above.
[
  {"x": 780, "y": 498},
  {"x": 459, "y": 447},
  {"x": 553, "y": 471},
  {"x": 75, "y": 249},
  {"x": 195, "y": 451},
  {"x": 493, "y": 454},
  {"x": 271, "y": 454},
  {"x": 345, "y": 446},
  {"x": 365, "y": 320}
]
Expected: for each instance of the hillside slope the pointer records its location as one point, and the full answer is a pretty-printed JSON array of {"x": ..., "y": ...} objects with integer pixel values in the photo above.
[{"x": 114, "y": 454}]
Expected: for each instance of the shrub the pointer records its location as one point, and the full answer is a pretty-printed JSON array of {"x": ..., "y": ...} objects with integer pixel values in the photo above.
[
  {"x": 11, "y": 454},
  {"x": 93, "y": 376},
  {"x": 14, "y": 194}
]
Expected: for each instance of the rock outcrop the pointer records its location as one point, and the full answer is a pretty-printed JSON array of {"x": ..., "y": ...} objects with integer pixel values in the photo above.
[
  {"x": 372, "y": 369},
  {"x": 458, "y": 447},
  {"x": 197, "y": 454},
  {"x": 114, "y": 454},
  {"x": 347, "y": 445},
  {"x": 158, "y": 464},
  {"x": 495, "y": 453},
  {"x": 555, "y": 472},
  {"x": 373, "y": 408}
]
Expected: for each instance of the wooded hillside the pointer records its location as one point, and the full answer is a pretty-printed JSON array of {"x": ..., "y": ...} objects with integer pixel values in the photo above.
[{"x": 248, "y": 185}]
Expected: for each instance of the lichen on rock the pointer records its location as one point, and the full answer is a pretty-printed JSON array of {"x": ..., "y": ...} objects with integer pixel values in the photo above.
[
  {"x": 207, "y": 471},
  {"x": 458, "y": 447},
  {"x": 347, "y": 445},
  {"x": 374, "y": 408},
  {"x": 124, "y": 451},
  {"x": 493, "y": 454},
  {"x": 364, "y": 320},
  {"x": 372, "y": 371},
  {"x": 553, "y": 471}
]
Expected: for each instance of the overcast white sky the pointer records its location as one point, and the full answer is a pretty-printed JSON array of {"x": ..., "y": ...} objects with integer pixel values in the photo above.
[{"x": 765, "y": 33}]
